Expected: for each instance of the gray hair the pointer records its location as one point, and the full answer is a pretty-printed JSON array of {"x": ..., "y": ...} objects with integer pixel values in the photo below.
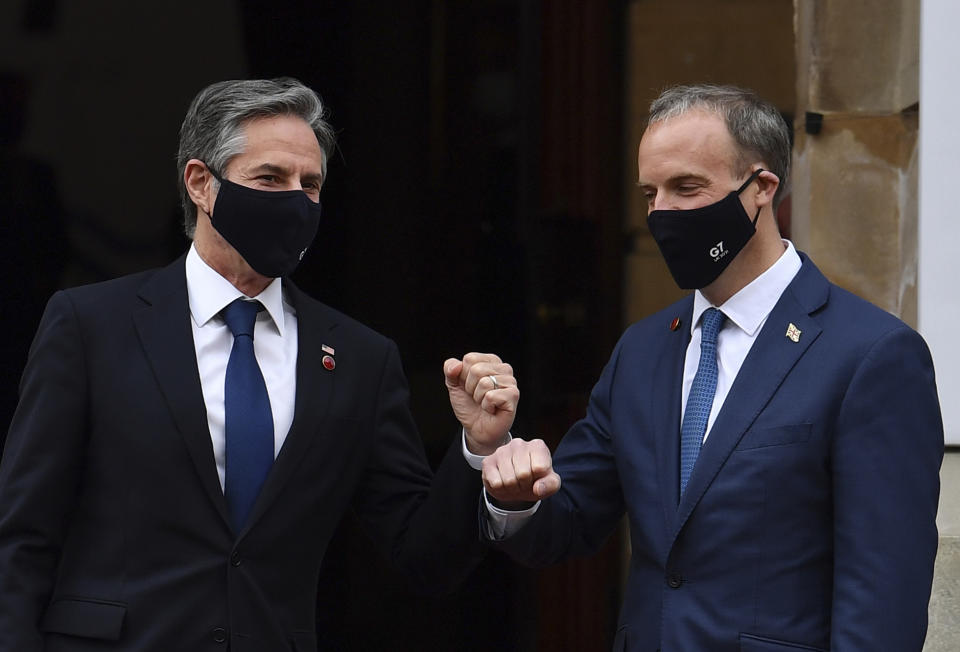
[
  {"x": 213, "y": 129},
  {"x": 757, "y": 127}
]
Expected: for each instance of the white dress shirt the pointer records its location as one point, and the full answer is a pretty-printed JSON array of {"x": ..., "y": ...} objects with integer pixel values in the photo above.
[
  {"x": 746, "y": 312},
  {"x": 274, "y": 343}
]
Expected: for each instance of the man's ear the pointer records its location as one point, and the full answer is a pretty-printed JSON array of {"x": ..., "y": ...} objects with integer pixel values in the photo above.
[
  {"x": 198, "y": 182},
  {"x": 767, "y": 184}
]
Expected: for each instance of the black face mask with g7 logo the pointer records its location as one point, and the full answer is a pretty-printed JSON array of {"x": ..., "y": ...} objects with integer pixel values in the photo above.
[
  {"x": 699, "y": 243},
  {"x": 270, "y": 229}
]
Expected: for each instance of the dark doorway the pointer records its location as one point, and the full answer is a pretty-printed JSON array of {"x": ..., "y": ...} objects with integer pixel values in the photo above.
[{"x": 474, "y": 204}]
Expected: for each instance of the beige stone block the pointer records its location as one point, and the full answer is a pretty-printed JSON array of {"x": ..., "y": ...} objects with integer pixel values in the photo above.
[
  {"x": 943, "y": 631},
  {"x": 748, "y": 43},
  {"x": 855, "y": 205},
  {"x": 948, "y": 516},
  {"x": 857, "y": 55}
]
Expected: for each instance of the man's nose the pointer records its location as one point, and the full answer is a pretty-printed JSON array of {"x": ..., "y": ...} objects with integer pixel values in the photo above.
[{"x": 659, "y": 202}]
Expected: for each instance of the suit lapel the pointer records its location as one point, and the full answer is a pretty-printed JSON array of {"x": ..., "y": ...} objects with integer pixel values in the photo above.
[
  {"x": 163, "y": 325},
  {"x": 666, "y": 396},
  {"x": 315, "y": 386},
  {"x": 770, "y": 359}
]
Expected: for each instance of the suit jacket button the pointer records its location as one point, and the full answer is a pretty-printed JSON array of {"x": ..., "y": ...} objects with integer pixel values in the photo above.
[
  {"x": 219, "y": 635},
  {"x": 674, "y": 580},
  {"x": 235, "y": 558}
]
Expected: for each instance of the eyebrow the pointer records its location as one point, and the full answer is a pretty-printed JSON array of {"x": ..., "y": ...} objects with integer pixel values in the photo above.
[
  {"x": 273, "y": 168},
  {"x": 677, "y": 179}
]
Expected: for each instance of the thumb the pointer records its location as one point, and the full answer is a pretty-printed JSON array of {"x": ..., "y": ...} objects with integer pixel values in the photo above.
[
  {"x": 451, "y": 371},
  {"x": 547, "y": 486}
]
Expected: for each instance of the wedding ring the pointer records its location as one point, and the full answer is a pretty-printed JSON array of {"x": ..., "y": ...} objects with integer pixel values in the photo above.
[{"x": 493, "y": 379}]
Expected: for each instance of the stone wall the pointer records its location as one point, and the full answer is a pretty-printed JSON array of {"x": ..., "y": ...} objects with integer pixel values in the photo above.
[
  {"x": 855, "y": 159},
  {"x": 855, "y": 200},
  {"x": 944, "y": 629}
]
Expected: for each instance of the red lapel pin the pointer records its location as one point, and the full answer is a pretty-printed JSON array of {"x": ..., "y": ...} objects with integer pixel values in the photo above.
[
  {"x": 675, "y": 324},
  {"x": 328, "y": 362}
]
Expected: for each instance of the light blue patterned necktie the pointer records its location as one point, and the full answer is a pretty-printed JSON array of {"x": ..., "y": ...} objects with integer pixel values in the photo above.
[
  {"x": 248, "y": 421},
  {"x": 700, "y": 401}
]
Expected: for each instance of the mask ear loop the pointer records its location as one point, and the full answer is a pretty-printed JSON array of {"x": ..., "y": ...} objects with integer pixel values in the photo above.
[
  {"x": 744, "y": 187},
  {"x": 220, "y": 181}
]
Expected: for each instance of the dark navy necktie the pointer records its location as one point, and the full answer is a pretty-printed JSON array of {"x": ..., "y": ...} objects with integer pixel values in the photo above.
[
  {"x": 248, "y": 419},
  {"x": 700, "y": 402}
]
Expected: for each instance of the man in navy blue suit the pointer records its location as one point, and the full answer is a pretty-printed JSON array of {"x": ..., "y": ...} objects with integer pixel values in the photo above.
[{"x": 774, "y": 440}]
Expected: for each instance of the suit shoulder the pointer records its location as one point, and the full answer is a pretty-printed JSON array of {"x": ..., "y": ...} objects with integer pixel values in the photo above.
[
  {"x": 846, "y": 310},
  {"x": 840, "y": 311},
  {"x": 111, "y": 287},
  {"x": 340, "y": 323},
  {"x": 105, "y": 295}
]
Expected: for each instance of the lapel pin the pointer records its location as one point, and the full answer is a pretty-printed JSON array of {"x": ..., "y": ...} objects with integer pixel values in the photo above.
[
  {"x": 675, "y": 324},
  {"x": 328, "y": 362},
  {"x": 793, "y": 333}
]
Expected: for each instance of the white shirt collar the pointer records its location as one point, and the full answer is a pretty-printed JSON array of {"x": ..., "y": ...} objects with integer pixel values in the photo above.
[
  {"x": 749, "y": 307},
  {"x": 209, "y": 293}
]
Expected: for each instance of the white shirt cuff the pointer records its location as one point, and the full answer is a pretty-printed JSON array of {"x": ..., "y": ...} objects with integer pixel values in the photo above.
[
  {"x": 501, "y": 523},
  {"x": 475, "y": 461}
]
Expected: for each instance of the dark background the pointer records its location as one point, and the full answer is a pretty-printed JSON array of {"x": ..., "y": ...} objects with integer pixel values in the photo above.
[{"x": 473, "y": 204}]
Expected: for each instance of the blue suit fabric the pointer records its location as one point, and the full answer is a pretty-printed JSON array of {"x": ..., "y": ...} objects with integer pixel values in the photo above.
[{"x": 809, "y": 519}]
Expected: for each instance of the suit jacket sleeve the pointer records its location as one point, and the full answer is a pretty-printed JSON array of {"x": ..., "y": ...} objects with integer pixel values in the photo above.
[
  {"x": 424, "y": 523},
  {"x": 579, "y": 518},
  {"x": 887, "y": 452},
  {"x": 40, "y": 473}
]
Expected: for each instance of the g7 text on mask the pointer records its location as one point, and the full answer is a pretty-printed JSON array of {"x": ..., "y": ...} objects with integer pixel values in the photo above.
[{"x": 698, "y": 243}]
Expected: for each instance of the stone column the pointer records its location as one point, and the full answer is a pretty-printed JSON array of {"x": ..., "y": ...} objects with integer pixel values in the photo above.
[
  {"x": 855, "y": 201},
  {"x": 855, "y": 154}
]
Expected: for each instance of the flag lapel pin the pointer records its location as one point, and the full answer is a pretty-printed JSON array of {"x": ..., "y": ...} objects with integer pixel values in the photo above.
[{"x": 793, "y": 333}]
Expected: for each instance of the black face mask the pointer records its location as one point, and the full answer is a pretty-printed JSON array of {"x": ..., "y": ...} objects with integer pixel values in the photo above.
[
  {"x": 699, "y": 243},
  {"x": 270, "y": 229}
]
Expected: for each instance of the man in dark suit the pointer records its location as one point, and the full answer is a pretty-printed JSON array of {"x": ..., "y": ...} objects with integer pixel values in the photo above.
[
  {"x": 774, "y": 440},
  {"x": 188, "y": 438}
]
